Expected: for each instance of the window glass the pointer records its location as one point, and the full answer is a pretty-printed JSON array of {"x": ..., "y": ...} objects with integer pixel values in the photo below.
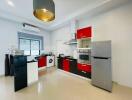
[
  {"x": 30, "y": 46},
  {"x": 25, "y": 45},
  {"x": 35, "y": 47}
]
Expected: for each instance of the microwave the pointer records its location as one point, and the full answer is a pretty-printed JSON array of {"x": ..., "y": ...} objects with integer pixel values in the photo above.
[{"x": 84, "y": 57}]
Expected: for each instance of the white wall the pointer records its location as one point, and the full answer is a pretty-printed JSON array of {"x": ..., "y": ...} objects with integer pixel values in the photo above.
[
  {"x": 115, "y": 25},
  {"x": 8, "y": 38},
  {"x": 58, "y": 38}
]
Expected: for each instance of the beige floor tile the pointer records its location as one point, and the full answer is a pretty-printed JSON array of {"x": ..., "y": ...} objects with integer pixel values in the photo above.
[{"x": 57, "y": 85}]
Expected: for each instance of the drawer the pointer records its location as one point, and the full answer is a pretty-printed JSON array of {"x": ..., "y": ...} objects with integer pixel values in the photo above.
[
  {"x": 66, "y": 64},
  {"x": 84, "y": 74},
  {"x": 84, "y": 67}
]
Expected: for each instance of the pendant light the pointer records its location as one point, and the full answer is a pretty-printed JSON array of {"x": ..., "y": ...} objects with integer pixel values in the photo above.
[{"x": 44, "y": 10}]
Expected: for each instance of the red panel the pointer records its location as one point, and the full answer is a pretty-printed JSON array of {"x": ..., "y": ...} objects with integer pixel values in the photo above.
[
  {"x": 66, "y": 65},
  {"x": 84, "y": 33},
  {"x": 78, "y": 35},
  {"x": 42, "y": 61},
  {"x": 84, "y": 67}
]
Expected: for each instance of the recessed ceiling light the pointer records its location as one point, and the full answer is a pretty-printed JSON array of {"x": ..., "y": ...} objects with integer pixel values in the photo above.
[{"x": 10, "y": 3}]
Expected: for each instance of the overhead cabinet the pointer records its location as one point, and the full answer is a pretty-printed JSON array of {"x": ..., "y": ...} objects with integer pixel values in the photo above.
[{"x": 84, "y": 33}]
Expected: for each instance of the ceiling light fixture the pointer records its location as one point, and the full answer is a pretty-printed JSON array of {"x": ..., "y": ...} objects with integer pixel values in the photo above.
[
  {"x": 10, "y": 3},
  {"x": 44, "y": 10}
]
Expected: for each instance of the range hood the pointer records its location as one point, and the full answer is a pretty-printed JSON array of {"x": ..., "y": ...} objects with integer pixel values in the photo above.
[{"x": 73, "y": 30}]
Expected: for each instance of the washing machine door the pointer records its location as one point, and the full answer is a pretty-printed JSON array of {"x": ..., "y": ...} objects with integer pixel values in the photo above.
[{"x": 50, "y": 60}]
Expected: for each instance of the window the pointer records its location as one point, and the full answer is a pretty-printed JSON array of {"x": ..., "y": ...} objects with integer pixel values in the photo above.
[{"x": 30, "y": 46}]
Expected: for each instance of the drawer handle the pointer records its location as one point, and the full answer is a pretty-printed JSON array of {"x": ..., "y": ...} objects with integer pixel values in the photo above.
[
  {"x": 83, "y": 36},
  {"x": 84, "y": 65},
  {"x": 83, "y": 72}
]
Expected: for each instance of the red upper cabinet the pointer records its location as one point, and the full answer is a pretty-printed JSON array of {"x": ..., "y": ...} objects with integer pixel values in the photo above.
[
  {"x": 66, "y": 65},
  {"x": 84, "y": 33}
]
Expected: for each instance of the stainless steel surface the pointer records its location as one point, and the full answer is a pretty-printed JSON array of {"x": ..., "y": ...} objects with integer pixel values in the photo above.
[
  {"x": 84, "y": 52},
  {"x": 101, "y": 65},
  {"x": 101, "y": 49}
]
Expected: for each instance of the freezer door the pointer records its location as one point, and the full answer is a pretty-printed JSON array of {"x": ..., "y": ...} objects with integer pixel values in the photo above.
[
  {"x": 101, "y": 73},
  {"x": 101, "y": 49}
]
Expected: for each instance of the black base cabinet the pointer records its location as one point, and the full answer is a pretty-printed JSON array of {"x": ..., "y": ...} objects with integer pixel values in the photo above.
[
  {"x": 60, "y": 62},
  {"x": 20, "y": 72},
  {"x": 84, "y": 74},
  {"x": 73, "y": 67}
]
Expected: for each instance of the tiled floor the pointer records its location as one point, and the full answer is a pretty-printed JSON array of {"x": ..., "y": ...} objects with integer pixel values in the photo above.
[{"x": 57, "y": 85}]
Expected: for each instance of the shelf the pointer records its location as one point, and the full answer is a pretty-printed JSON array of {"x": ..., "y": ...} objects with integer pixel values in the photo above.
[
  {"x": 72, "y": 43},
  {"x": 84, "y": 48}
]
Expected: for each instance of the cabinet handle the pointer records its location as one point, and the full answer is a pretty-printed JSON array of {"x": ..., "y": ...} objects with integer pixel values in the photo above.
[
  {"x": 84, "y": 65},
  {"x": 83, "y": 36},
  {"x": 83, "y": 72}
]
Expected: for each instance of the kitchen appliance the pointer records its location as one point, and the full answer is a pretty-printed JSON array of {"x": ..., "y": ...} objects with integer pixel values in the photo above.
[
  {"x": 84, "y": 56},
  {"x": 50, "y": 61},
  {"x": 73, "y": 30},
  {"x": 101, "y": 65}
]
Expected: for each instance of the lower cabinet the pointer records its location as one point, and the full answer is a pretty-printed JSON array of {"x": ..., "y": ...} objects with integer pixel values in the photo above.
[
  {"x": 71, "y": 65},
  {"x": 42, "y": 61},
  {"x": 84, "y": 74},
  {"x": 32, "y": 72},
  {"x": 66, "y": 64},
  {"x": 84, "y": 70},
  {"x": 60, "y": 62}
]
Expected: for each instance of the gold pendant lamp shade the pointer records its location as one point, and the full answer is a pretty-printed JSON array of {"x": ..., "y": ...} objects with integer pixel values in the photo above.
[{"x": 44, "y": 10}]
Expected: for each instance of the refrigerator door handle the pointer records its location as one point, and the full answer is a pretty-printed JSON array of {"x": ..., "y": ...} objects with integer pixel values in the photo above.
[{"x": 101, "y": 57}]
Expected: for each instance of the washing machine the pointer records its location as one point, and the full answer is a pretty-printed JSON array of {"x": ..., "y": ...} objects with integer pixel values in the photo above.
[{"x": 50, "y": 61}]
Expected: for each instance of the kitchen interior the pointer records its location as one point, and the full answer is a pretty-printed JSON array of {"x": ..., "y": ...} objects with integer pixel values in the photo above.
[{"x": 89, "y": 52}]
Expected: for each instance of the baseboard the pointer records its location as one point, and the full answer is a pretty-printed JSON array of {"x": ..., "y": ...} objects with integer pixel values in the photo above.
[
  {"x": 43, "y": 68},
  {"x": 75, "y": 75},
  {"x": 2, "y": 75}
]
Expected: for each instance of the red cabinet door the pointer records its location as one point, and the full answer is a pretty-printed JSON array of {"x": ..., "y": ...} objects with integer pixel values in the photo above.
[
  {"x": 66, "y": 65},
  {"x": 84, "y": 33},
  {"x": 42, "y": 61},
  {"x": 84, "y": 67}
]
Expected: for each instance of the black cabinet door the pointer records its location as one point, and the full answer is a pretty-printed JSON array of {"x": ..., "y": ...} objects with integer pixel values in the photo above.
[
  {"x": 60, "y": 62},
  {"x": 84, "y": 74},
  {"x": 20, "y": 72},
  {"x": 73, "y": 66}
]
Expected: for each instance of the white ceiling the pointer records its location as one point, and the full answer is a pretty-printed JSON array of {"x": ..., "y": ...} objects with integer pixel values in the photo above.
[{"x": 66, "y": 10}]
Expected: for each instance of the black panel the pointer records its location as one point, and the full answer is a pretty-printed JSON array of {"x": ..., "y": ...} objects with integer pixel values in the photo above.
[
  {"x": 11, "y": 66},
  {"x": 7, "y": 65},
  {"x": 20, "y": 72},
  {"x": 84, "y": 74},
  {"x": 60, "y": 62},
  {"x": 73, "y": 66}
]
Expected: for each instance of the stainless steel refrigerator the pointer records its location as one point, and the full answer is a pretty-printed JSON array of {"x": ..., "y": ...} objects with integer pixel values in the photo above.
[{"x": 101, "y": 65}]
